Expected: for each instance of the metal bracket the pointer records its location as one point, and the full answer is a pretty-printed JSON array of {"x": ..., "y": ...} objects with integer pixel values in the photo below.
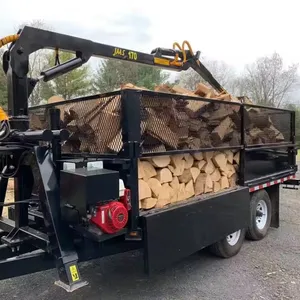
[
  {"x": 70, "y": 278},
  {"x": 292, "y": 184}
]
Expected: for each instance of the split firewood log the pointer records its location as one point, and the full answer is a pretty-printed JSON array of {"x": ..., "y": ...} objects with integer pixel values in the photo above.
[
  {"x": 161, "y": 161},
  {"x": 155, "y": 186},
  {"x": 195, "y": 125},
  {"x": 172, "y": 192},
  {"x": 155, "y": 148},
  {"x": 199, "y": 164},
  {"x": 148, "y": 203},
  {"x": 186, "y": 176},
  {"x": 229, "y": 156},
  {"x": 181, "y": 195},
  {"x": 209, "y": 167},
  {"x": 224, "y": 97},
  {"x": 180, "y": 90},
  {"x": 216, "y": 187},
  {"x": 205, "y": 138},
  {"x": 195, "y": 173},
  {"x": 164, "y": 88},
  {"x": 208, "y": 155},
  {"x": 229, "y": 170},
  {"x": 224, "y": 183},
  {"x": 216, "y": 175},
  {"x": 203, "y": 184},
  {"x": 202, "y": 90},
  {"x": 175, "y": 184},
  {"x": 148, "y": 170},
  {"x": 194, "y": 108},
  {"x": 189, "y": 189},
  {"x": 221, "y": 112},
  {"x": 144, "y": 190},
  {"x": 164, "y": 197},
  {"x": 236, "y": 158},
  {"x": 177, "y": 164},
  {"x": 164, "y": 175},
  {"x": 232, "y": 180},
  {"x": 198, "y": 156},
  {"x": 158, "y": 129},
  {"x": 258, "y": 119},
  {"x": 220, "y": 161},
  {"x": 189, "y": 161},
  {"x": 194, "y": 143},
  {"x": 35, "y": 122},
  {"x": 278, "y": 135},
  {"x": 116, "y": 143},
  {"x": 223, "y": 129}
]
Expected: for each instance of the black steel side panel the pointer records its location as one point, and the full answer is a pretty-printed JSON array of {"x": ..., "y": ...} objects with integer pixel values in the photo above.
[
  {"x": 178, "y": 232},
  {"x": 265, "y": 162}
]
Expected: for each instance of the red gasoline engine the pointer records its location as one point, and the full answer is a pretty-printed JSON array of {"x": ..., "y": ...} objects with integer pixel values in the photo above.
[{"x": 113, "y": 216}]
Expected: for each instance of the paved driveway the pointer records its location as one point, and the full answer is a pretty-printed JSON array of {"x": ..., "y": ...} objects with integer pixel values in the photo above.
[{"x": 269, "y": 269}]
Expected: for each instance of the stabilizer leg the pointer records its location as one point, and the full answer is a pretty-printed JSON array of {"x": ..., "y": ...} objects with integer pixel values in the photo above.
[{"x": 58, "y": 232}]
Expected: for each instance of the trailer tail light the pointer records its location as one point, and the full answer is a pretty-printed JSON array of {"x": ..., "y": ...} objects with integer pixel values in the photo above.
[{"x": 126, "y": 199}]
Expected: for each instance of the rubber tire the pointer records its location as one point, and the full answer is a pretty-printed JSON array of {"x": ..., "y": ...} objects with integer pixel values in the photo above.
[
  {"x": 253, "y": 233},
  {"x": 224, "y": 250}
]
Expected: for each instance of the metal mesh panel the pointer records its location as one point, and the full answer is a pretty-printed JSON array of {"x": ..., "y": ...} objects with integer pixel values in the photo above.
[
  {"x": 267, "y": 125},
  {"x": 94, "y": 124},
  {"x": 188, "y": 123},
  {"x": 168, "y": 122}
]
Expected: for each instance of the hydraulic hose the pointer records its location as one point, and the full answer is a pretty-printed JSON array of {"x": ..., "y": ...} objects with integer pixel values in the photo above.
[
  {"x": 4, "y": 120},
  {"x": 4, "y": 125},
  {"x": 8, "y": 39}
]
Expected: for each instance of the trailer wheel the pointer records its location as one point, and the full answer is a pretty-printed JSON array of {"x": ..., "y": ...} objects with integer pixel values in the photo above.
[
  {"x": 260, "y": 216},
  {"x": 229, "y": 246}
]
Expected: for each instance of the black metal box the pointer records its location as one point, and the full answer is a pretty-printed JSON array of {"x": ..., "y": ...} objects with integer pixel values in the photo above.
[
  {"x": 194, "y": 224},
  {"x": 82, "y": 187}
]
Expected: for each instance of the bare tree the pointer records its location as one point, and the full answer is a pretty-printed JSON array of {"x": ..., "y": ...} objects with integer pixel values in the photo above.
[
  {"x": 37, "y": 61},
  {"x": 189, "y": 79},
  {"x": 266, "y": 81},
  {"x": 223, "y": 73}
]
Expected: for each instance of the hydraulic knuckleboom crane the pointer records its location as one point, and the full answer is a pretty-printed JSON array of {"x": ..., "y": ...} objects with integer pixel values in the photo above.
[
  {"x": 16, "y": 138},
  {"x": 178, "y": 58}
]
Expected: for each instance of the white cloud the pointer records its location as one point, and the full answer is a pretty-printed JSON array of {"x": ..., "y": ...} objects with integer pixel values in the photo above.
[{"x": 234, "y": 31}]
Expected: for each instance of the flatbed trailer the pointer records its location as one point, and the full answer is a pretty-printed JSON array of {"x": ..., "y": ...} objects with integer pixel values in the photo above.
[{"x": 40, "y": 232}]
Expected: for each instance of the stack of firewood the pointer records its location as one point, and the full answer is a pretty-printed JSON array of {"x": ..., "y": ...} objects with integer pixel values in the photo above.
[
  {"x": 169, "y": 179},
  {"x": 170, "y": 123},
  {"x": 167, "y": 124}
]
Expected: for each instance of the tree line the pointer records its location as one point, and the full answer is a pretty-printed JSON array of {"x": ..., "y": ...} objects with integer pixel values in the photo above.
[{"x": 266, "y": 81}]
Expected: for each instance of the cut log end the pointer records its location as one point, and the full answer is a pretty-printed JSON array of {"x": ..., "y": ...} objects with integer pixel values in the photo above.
[
  {"x": 148, "y": 203},
  {"x": 144, "y": 190},
  {"x": 164, "y": 175},
  {"x": 161, "y": 161}
]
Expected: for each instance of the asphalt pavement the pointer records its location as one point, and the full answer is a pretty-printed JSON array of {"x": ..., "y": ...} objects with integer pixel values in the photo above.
[{"x": 268, "y": 269}]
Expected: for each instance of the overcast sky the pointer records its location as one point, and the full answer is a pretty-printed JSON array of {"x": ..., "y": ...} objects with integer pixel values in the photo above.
[{"x": 234, "y": 31}]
